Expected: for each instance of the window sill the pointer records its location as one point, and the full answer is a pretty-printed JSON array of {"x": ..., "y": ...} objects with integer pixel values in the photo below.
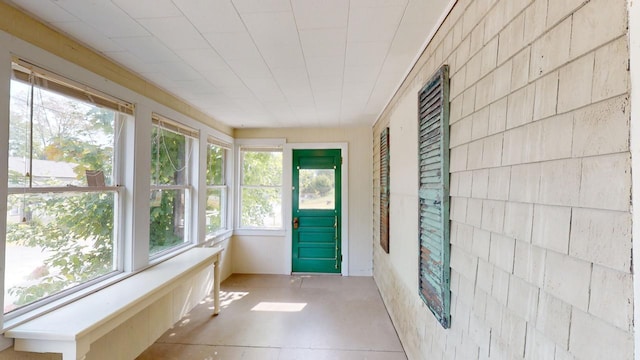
[
  {"x": 216, "y": 238},
  {"x": 260, "y": 232},
  {"x": 13, "y": 321}
]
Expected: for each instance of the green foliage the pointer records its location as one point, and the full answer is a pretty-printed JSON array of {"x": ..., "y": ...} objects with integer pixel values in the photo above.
[
  {"x": 163, "y": 230},
  {"x": 262, "y": 168},
  {"x": 168, "y": 167},
  {"x": 77, "y": 230},
  {"x": 261, "y": 180},
  {"x": 214, "y": 215},
  {"x": 215, "y": 176},
  {"x": 316, "y": 183},
  {"x": 215, "y": 165},
  {"x": 74, "y": 229}
]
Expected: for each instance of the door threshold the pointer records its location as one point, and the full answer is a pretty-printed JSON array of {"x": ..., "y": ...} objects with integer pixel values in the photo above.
[{"x": 315, "y": 273}]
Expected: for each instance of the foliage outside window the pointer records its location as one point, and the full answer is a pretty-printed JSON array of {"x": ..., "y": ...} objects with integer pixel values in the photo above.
[
  {"x": 261, "y": 188},
  {"x": 216, "y": 209},
  {"x": 62, "y": 198},
  {"x": 170, "y": 201}
]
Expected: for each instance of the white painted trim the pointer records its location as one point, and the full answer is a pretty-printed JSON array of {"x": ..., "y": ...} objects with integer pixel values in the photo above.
[
  {"x": 260, "y": 231},
  {"x": 134, "y": 169},
  {"x": 634, "y": 74},
  {"x": 248, "y": 143},
  {"x": 5, "y": 342},
  {"x": 260, "y": 142},
  {"x": 286, "y": 196},
  {"x": 5, "y": 76},
  {"x": 433, "y": 32},
  {"x": 203, "y": 236}
]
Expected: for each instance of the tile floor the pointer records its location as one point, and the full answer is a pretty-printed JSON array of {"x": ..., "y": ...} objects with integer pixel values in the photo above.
[{"x": 274, "y": 317}]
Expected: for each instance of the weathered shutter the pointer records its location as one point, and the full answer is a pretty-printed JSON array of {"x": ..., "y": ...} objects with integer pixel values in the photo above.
[
  {"x": 384, "y": 189},
  {"x": 433, "y": 115}
]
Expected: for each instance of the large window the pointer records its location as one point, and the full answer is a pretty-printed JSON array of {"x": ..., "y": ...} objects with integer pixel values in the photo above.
[
  {"x": 62, "y": 204},
  {"x": 217, "y": 188},
  {"x": 261, "y": 188},
  {"x": 172, "y": 147}
]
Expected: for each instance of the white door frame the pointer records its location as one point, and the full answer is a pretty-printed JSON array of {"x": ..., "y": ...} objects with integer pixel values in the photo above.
[{"x": 287, "y": 199}]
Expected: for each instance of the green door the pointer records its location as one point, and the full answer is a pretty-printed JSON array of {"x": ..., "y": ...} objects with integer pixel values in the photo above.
[{"x": 316, "y": 211}]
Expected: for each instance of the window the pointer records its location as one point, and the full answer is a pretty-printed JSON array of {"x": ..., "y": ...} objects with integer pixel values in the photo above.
[
  {"x": 62, "y": 203},
  {"x": 433, "y": 144},
  {"x": 217, "y": 189},
  {"x": 261, "y": 188},
  {"x": 172, "y": 147}
]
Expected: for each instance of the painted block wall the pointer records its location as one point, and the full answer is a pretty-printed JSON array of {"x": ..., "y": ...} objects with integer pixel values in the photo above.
[{"x": 540, "y": 185}]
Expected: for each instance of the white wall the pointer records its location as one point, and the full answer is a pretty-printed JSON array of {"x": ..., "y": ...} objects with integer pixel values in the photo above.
[
  {"x": 540, "y": 185},
  {"x": 260, "y": 254}
]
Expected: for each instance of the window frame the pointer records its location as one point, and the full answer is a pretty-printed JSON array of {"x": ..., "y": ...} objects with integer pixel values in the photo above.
[
  {"x": 259, "y": 144},
  {"x": 192, "y": 141},
  {"x": 22, "y": 70},
  {"x": 225, "y": 208},
  {"x": 131, "y": 160}
]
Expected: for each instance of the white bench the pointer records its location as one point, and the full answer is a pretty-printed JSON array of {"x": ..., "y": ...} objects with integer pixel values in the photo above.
[{"x": 71, "y": 329}]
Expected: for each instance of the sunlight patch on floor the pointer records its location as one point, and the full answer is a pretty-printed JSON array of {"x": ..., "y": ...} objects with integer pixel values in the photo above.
[{"x": 279, "y": 306}]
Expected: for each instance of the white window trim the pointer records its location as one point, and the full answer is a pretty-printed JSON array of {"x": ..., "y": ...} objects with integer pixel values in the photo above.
[
  {"x": 257, "y": 143},
  {"x": 134, "y": 165},
  {"x": 287, "y": 197},
  {"x": 200, "y": 226},
  {"x": 64, "y": 296},
  {"x": 191, "y": 198}
]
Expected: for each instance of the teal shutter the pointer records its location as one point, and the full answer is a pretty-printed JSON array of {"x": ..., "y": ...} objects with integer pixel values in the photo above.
[
  {"x": 384, "y": 190},
  {"x": 433, "y": 116}
]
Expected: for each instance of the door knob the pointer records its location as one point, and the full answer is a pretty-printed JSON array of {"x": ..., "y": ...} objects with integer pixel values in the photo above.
[{"x": 296, "y": 223}]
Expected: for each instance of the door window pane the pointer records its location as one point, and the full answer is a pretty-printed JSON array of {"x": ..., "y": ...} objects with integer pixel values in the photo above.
[{"x": 317, "y": 189}]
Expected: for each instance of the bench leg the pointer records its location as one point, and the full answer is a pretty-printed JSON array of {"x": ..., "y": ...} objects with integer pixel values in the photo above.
[{"x": 216, "y": 285}]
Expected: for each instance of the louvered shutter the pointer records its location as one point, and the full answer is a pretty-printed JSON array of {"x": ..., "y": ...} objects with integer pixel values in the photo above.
[
  {"x": 433, "y": 115},
  {"x": 384, "y": 189}
]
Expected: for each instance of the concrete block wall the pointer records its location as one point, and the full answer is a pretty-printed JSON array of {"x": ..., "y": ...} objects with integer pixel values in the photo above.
[{"x": 540, "y": 185}]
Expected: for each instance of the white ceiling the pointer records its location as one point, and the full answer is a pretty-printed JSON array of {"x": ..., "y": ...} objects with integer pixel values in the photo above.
[{"x": 258, "y": 63}]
